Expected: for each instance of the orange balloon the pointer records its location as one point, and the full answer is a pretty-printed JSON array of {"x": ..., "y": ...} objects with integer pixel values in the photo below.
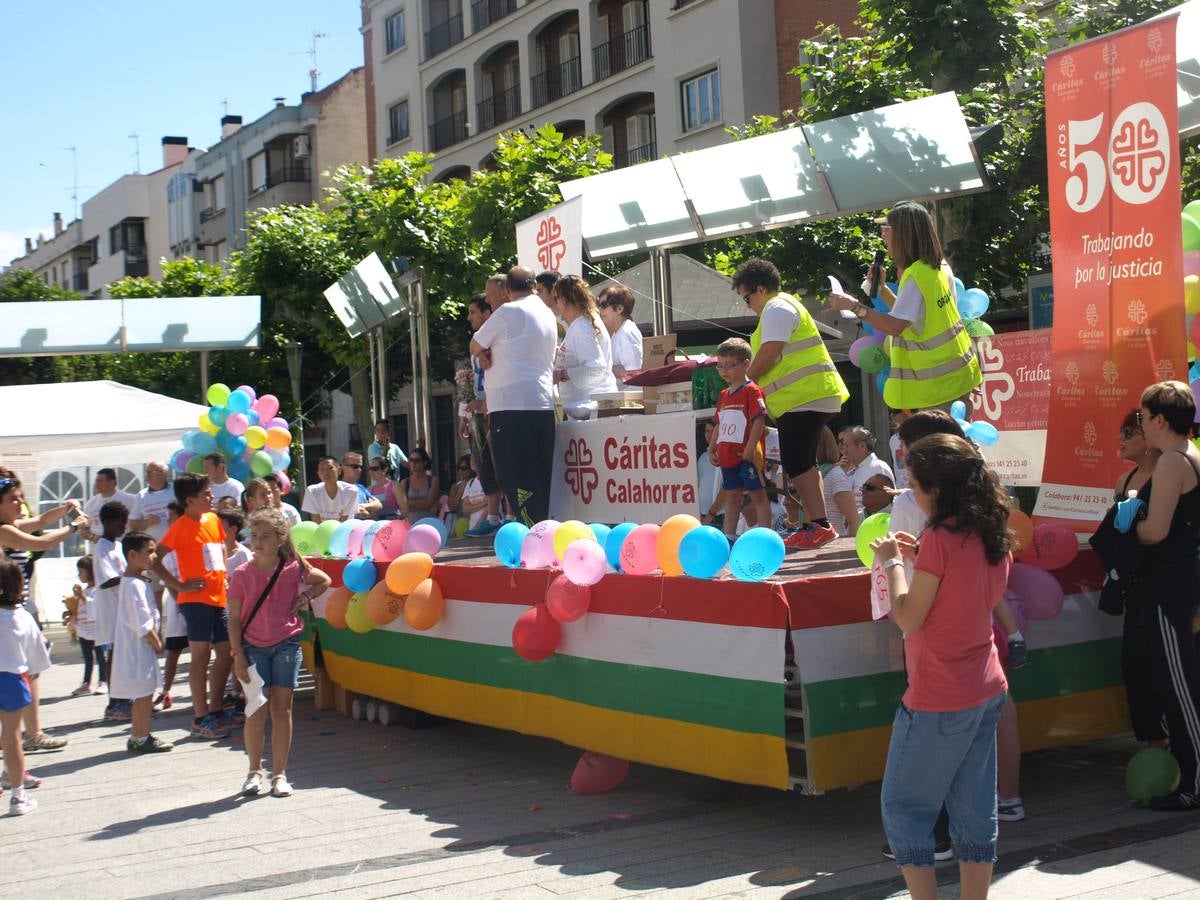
[
  {"x": 382, "y": 605},
  {"x": 405, "y": 572},
  {"x": 425, "y": 605},
  {"x": 669, "y": 536},
  {"x": 336, "y": 606},
  {"x": 1023, "y": 526},
  {"x": 278, "y": 438}
]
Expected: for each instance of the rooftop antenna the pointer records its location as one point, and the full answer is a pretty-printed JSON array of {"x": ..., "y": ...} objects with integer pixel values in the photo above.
[
  {"x": 74, "y": 179},
  {"x": 314, "y": 72},
  {"x": 224, "y": 106},
  {"x": 137, "y": 152}
]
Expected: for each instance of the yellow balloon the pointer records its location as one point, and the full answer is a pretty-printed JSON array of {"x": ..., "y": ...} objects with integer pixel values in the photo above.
[
  {"x": 357, "y": 619},
  {"x": 207, "y": 426},
  {"x": 568, "y": 533},
  {"x": 256, "y": 437},
  {"x": 1191, "y": 293},
  {"x": 669, "y": 536}
]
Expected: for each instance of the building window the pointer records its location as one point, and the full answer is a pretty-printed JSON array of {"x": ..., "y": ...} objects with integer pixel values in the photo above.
[
  {"x": 258, "y": 172},
  {"x": 394, "y": 30},
  {"x": 398, "y": 122},
  {"x": 701, "y": 100}
]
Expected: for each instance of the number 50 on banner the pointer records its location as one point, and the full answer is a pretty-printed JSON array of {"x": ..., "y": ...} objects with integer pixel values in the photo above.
[{"x": 1138, "y": 157}]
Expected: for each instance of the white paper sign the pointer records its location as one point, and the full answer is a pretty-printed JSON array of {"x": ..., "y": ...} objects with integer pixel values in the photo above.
[{"x": 553, "y": 239}]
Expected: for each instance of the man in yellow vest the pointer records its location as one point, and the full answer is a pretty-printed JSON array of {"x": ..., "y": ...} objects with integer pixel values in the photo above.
[{"x": 804, "y": 390}]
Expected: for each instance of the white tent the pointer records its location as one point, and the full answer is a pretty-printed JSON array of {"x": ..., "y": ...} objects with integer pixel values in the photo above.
[{"x": 92, "y": 423}]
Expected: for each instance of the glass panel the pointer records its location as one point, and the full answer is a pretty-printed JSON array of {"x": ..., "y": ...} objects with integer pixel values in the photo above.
[
  {"x": 704, "y": 108},
  {"x": 192, "y": 323},
  {"x": 715, "y": 81},
  {"x": 36, "y": 328},
  {"x": 690, "y": 105}
]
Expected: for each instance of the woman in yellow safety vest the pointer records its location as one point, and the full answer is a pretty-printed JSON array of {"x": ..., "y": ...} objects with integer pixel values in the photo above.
[{"x": 932, "y": 362}]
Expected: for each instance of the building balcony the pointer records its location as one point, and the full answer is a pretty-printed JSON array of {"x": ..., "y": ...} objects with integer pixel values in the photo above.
[
  {"x": 79, "y": 282},
  {"x": 288, "y": 173},
  {"x": 291, "y": 186},
  {"x": 137, "y": 264},
  {"x": 213, "y": 226},
  {"x": 442, "y": 37},
  {"x": 448, "y": 131},
  {"x": 557, "y": 82},
  {"x": 622, "y": 52},
  {"x": 499, "y": 108},
  {"x": 485, "y": 12},
  {"x": 210, "y": 213},
  {"x": 635, "y": 155}
]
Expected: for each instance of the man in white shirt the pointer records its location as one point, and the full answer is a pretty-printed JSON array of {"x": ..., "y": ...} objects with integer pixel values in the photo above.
[
  {"x": 149, "y": 513},
  {"x": 330, "y": 499},
  {"x": 105, "y": 486},
  {"x": 515, "y": 347},
  {"x": 218, "y": 478},
  {"x": 858, "y": 446}
]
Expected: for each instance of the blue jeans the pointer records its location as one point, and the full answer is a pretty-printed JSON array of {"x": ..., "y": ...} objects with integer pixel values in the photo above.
[
  {"x": 278, "y": 665},
  {"x": 937, "y": 758}
]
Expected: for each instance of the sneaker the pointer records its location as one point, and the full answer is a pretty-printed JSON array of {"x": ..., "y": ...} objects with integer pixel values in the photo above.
[
  {"x": 810, "y": 537},
  {"x": 165, "y": 701},
  {"x": 483, "y": 529},
  {"x": 30, "y": 781},
  {"x": 1010, "y": 810},
  {"x": 941, "y": 852},
  {"x": 42, "y": 741},
  {"x": 231, "y": 718},
  {"x": 1016, "y": 653},
  {"x": 209, "y": 727},
  {"x": 101, "y": 688},
  {"x": 252, "y": 786},
  {"x": 149, "y": 744},
  {"x": 1180, "y": 801},
  {"x": 280, "y": 786},
  {"x": 83, "y": 690},
  {"x": 119, "y": 712},
  {"x": 21, "y": 804}
]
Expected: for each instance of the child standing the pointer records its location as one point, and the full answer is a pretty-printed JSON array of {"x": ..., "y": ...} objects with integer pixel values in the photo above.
[
  {"x": 174, "y": 628},
  {"x": 740, "y": 448},
  {"x": 108, "y": 563},
  {"x": 22, "y": 654},
  {"x": 236, "y": 553},
  {"x": 135, "y": 653},
  {"x": 85, "y": 627}
]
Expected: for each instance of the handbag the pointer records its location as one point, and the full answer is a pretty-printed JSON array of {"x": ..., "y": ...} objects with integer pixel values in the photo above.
[{"x": 262, "y": 598}]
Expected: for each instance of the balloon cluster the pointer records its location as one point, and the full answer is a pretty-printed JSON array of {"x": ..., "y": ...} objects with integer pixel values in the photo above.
[
  {"x": 586, "y": 553},
  {"x": 982, "y": 433},
  {"x": 364, "y": 600},
  {"x": 245, "y": 429},
  {"x": 1033, "y": 593},
  {"x": 377, "y": 541}
]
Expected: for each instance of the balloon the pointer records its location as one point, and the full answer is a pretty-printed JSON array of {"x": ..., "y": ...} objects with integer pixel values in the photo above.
[
  {"x": 601, "y": 532},
  {"x": 281, "y": 459},
  {"x": 1191, "y": 233},
  {"x": 383, "y": 607},
  {"x": 356, "y": 615},
  {"x": 203, "y": 443},
  {"x": 237, "y": 423},
  {"x": 360, "y": 575},
  {"x": 703, "y": 551},
  {"x": 368, "y": 538},
  {"x": 252, "y": 417},
  {"x": 873, "y": 359},
  {"x": 568, "y": 533},
  {"x": 1039, "y": 592},
  {"x": 181, "y": 459},
  {"x": 881, "y": 378},
  {"x": 1194, "y": 331},
  {"x": 536, "y": 634},
  {"x": 437, "y": 525},
  {"x": 596, "y": 773},
  {"x": 276, "y": 422},
  {"x": 238, "y": 402},
  {"x": 861, "y": 345},
  {"x": 321, "y": 537},
  {"x": 958, "y": 409},
  {"x": 872, "y": 529},
  {"x": 261, "y": 464},
  {"x": 982, "y": 433},
  {"x": 461, "y": 524},
  {"x": 217, "y": 394},
  {"x": 537, "y": 549},
  {"x": 217, "y": 415},
  {"x": 583, "y": 562},
  {"x": 248, "y": 391},
  {"x": 1017, "y": 608},
  {"x": 267, "y": 406},
  {"x": 1053, "y": 546},
  {"x": 639, "y": 552},
  {"x": 389, "y": 541},
  {"x": 1022, "y": 525},
  {"x": 335, "y": 607},
  {"x": 1191, "y": 293},
  {"x": 304, "y": 538},
  {"x": 278, "y": 438},
  {"x": 959, "y": 289},
  {"x": 669, "y": 536},
  {"x": 1193, "y": 209},
  {"x": 1151, "y": 772},
  {"x": 405, "y": 572},
  {"x": 207, "y": 425},
  {"x": 614, "y": 541},
  {"x": 339, "y": 541},
  {"x": 973, "y": 303},
  {"x": 507, "y": 543},
  {"x": 354, "y": 542},
  {"x": 239, "y": 470},
  {"x": 425, "y": 606},
  {"x": 285, "y": 483},
  {"x": 423, "y": 539},
  {"x": 567, "y": 600},
  {"x": 978, "y": 328},
  {"x": 256, "y": 437},
  {"x": 756, "y": 555},
  {"x": 195, "y": 465}
]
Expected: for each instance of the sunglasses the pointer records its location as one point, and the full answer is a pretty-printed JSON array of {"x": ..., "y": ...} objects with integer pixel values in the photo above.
[
  {"x": 608, "y": 304},
  {"x": 351, "y": 465},
  {"x": 6, "y": 483},
  {"x": 375, "y": 468},
  {"x": 746, "y": 296},
  {"x": 1129, "y": 431},
  {"x": 872, "y": 487},
  {"x": 464, "y": 468}
]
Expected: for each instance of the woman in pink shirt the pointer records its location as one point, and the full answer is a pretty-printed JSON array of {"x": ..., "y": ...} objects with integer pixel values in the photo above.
[
  {"x": 956, "y": 685},
  {"x": 265, "y": 597}
]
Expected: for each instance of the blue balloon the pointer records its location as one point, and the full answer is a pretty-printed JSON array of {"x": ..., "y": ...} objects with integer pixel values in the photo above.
[
  {"x": 339, "y": 541},
  {"x": 758, "y": 554},
  {"x": 281, "y": 459},
  {"x": 1195, "y": 372},
  {"x": 703, "y": 551},
  {"x": 600, "y": 531},
  {"x": 237, "y": 444},
  {"x": 203, "y": 443},
  {"x": 239, "y": 401},
  {"x": 252, "y": 417},
  {"x": 240, "y": 469},
  {"x": 881, "y": 377},
  {"x": 959, "y": 289},
  {"x": 369, "y": 538},
  {"x": 982, "y": 433},
  {"x": 359, "y": 574},
  {"x": 973, "y": 303},
  {"x": 217, "y": 415},
  {"x": 958, "y": 409},
  {"x": 612, "y": 545},
  {"x": 507, "y": 543},
  {"x": 438, "y": 524}
]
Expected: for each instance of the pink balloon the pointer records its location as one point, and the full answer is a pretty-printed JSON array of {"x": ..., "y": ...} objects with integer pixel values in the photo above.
[
  {"x": 389, "y": 541},
  {"x": 237, "y": 423},
  {"x": 1191, "y": 262},
  {"x": 1053, "y": 546},
  {"x": 276, "y": 422},
  {"x": 355, "y": 539},
  {"x": 285, "y": 483},
  {"x": 596, "y": 773},
  {"x": 267, "y": 406},
  {"x": 566, "y": 600},
  {"x": 584, "y": 562},
  {"x": 536, "y": 634},
  {"x": 422, "y": 539},
  {"x": 1040, "y": 593},
  {"x": 247, "y": 390},
  {"x": 537, "y": 549},
  {"x": 639, "y": 552}
]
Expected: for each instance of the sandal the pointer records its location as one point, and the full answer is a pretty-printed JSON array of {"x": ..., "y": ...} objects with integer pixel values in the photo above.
[
  {"x": 42, "y": 741},
  {"x": 252, "y": 786}
]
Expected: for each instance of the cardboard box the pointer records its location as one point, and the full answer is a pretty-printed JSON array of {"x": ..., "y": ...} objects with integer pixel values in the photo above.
[
  {"x": 664, "y": 398},
  {"x": 658, "y": 351}
]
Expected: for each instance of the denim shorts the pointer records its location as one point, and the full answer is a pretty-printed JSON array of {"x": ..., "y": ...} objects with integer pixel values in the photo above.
[
  {"x": 278, "y": 665},
  {"x": 205, "y": 623},
  {"x": 963, "y": 778},
  {"x": 14, "y": 691},
  {"x": 741, "y": 477}
]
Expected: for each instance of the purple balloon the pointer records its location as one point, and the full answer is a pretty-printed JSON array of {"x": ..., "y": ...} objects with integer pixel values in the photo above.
[
  {"x": 1196, "y": 393},
  {"x": 861, "y": 344},
  {"x": 276, "y": 422},
  {"x": 246, "y": 389},
  {"x": 423, "y": 539}
]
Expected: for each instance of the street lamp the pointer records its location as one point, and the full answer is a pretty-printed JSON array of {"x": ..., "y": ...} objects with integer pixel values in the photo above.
[{"x": 292, "y": 352}]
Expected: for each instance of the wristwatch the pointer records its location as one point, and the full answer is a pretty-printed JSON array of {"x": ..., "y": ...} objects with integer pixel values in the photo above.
[
  {"x": 892, "y": 563},
  {"x": 861, "y": 310}
]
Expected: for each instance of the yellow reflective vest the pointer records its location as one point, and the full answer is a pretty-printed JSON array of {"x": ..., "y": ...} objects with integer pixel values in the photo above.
[{"x": 804, "y": 371}]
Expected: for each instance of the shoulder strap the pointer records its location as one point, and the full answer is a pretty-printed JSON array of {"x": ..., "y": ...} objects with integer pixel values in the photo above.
[
  {"x": 1125, "y": 486},
  {"x": 263, "y": 596}
]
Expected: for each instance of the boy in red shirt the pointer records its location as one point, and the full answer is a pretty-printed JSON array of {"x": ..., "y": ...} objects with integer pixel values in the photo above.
[{"x": 740, "y": 447}]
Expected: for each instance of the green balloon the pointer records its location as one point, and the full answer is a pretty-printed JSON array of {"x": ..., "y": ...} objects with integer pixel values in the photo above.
[
  {"x": 978, "y": 328},
  {"x": 196, "y": 465},
  {"x": 322, "y": 535},
  {"x": 1151, "y": 773},
  {"x": 873, "y": 359},
  {"x": 1193, "y": 210},
  {"x": 303, "y": 538},
  {"x": 261, "y": 464},
  {"x": 872, "y": 529},
  {"x": 217, "y": 394},
  {"x": 1191, "y": 234}
]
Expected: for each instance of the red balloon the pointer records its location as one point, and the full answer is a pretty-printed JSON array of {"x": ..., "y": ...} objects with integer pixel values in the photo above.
[
  {"x": 536, "y": 635},
  {"x": 567, "y": 601},
  {"x": 389, "y": 541},
  {"x": 596, "y": 773},
  {"x": 1053, "y": 547}
]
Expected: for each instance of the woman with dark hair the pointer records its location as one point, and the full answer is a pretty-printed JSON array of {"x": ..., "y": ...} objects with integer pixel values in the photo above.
[
  {"x": 933, "y": 363},
  {"x": 584, "y": 361},
  {"x": 383, "y": 488},
  {"x": 419, "y": 494},
  {"x": 956, "y": 685},
  {"x": 616, "y": 309}
]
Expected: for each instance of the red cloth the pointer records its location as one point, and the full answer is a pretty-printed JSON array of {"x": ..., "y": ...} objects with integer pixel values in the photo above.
[{"x": 737, "y": 408}]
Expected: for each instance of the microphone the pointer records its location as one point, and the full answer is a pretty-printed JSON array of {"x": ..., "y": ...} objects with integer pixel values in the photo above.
[{"x": 876, "y": 270}]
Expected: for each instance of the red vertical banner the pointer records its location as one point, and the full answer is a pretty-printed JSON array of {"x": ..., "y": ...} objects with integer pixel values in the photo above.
[{"x": 1112, "y": 129}]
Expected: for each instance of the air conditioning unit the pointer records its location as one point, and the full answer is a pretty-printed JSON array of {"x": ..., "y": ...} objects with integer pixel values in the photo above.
[{"x": 300, "y": 147}]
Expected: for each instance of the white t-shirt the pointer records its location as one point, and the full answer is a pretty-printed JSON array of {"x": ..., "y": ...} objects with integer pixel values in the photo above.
[
  {"x": 174, "y": 624},
  {"x": 863, "y": 473},
  {"x": 85, "y": 615},
  {"x": 474, "y": 491},
  {"x": 231, "y": 488},
  {"x": 522, "y": 335},
  {"x": 587, "y": 357},
  {"x": 627, "y": 347},
  {"x": 707, "y": 481},
  {"x": 91, "y": 509},
  {"x": 898, "y": 461},
  {"x": 910, "y": 302},
  {"x": 153, "y": 503},
  {"x": 779, "y": 319},
  {"x": 290, "y": 513},
  {"x": 318, "y": 502},
  {"x": 834, "y": 482},
  {"x": 241, "y": 555},
  {"x": 22, "y": 651},
  {"x": 108, "y": 562},
  {"x": 134, "y": 672}
]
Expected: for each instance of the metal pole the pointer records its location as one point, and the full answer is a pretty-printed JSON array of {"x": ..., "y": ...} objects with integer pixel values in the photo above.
[
  {"x": 203, "y": 376},
  {"x": 413, "y": 329},
  {"x": 372, "y": 372},
  {"x": 656, "y": 291},
  {"x": 668, "y": 314},
  {"x": 384, "y": 391},
  {"x": 423, "y": 363}
]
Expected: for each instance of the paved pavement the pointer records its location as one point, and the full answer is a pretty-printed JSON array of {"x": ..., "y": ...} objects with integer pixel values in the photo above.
[{"x": 455, "y": 810}]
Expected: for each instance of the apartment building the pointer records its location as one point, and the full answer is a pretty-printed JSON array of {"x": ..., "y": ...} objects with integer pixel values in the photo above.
[
  {"x": 61, "y": 259},
  {"x": 795, "y": 22},
  {"x": 283, "y": 157},
  {"x": 446, "y": 76}
]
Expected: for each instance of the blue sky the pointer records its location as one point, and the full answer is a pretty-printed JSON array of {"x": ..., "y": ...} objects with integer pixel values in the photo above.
[{"x": 89, "y": 74}]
